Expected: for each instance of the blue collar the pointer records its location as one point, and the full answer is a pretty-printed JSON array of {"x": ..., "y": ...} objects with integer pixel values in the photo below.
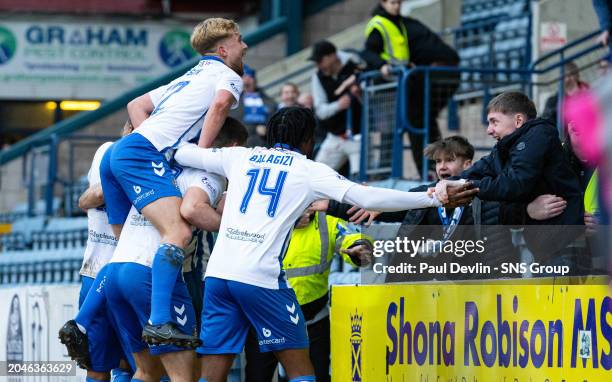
[
  {"x": 215, "y": 58},
  {"x": 285, "y": 146}
]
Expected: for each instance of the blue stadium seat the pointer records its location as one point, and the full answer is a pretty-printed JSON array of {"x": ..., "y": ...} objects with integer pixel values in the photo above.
[
  {"x": 61, "y": 233},
  {"x": 20, "y": 237},
  {"x": 9, "y": 217},
  {"x": 59, "y": 224},
  {"x": 48, "y": 266}
]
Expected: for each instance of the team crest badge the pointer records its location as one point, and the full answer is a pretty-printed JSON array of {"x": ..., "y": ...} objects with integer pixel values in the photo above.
[{"x": 356, "y": 341}]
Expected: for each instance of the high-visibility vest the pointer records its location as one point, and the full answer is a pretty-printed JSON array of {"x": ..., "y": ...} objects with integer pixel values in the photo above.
[
  {"x": 591, "y": 203},
  {"x": 310, "y": 254},
  {"x": 396, "y": 50}
]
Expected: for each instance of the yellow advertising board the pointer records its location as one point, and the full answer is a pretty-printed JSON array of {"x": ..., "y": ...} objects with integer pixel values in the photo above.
[{"x": 514, "y": 332}]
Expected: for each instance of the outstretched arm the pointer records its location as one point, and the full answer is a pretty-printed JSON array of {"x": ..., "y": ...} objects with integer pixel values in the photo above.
[
  {"x": 382, "y": 199},
  {"x": 211, "y": 160},
  {"x": 328, "y": 184}
]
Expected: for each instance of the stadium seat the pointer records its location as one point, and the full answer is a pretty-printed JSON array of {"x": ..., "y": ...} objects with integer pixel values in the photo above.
[
  {"x": 20, "y": 238},
  {"x": 37, "y": 266},
  {"x": 61, "y": 233}
]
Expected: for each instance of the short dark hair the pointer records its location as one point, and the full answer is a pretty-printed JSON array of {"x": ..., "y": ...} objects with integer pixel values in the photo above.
[
  {"x": 232, "y": 132},
  {"x": 291, "y": 126},
  {"x": 457, "y": 146},
  {"x": 512, "y": 103},
  {"x": 321, "y": 49}
]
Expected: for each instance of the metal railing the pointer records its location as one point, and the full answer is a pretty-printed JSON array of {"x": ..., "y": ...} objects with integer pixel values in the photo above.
[{"x": 550, "y": 69}]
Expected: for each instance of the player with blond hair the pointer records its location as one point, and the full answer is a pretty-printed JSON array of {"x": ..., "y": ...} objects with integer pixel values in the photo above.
[{"x": 137, "y": 172}]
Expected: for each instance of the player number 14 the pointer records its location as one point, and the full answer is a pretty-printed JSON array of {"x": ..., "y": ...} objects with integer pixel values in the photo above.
[{"x": 273, "y": 192}]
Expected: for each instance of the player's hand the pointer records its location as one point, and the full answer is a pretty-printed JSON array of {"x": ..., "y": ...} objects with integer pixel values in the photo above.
[
  {"x": 591, "y": 222},
  {"x": 385, "y": 70},
  {"x": 319, "y": 205},
  {"x": 546, "y": 207},
  {"x": 344, "y": 102},
  {"x": 455, "y": 193},
  {"x": 358, "y": 215},
  {"x": 304, "y": 219},
  {"x": 445, "y": 188},
  {"x": 345, "y": 85},
  {"x": 361, "y": 252}
]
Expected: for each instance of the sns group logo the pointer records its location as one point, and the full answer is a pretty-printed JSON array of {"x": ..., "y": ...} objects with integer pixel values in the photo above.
[
  {"x": 8, "y": 45},
  {"x": 175, "y": 48}
]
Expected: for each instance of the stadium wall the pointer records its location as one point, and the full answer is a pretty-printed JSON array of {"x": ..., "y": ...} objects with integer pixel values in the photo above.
[
  {"x": 30, "y": 317},
  {"x": 576, "y": 18}
]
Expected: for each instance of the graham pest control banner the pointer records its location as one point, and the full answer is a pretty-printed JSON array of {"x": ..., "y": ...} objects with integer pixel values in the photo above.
[{"x": 86, "y": 60}]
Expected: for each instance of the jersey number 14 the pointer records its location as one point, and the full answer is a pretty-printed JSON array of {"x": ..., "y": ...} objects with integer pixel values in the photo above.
[{"x": 262, "y": 188}]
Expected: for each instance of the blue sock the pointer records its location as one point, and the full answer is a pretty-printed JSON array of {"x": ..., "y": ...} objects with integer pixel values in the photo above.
[
  {"x": 202, "y": 380},
  {"x": 167, "y": 266},
  {"x": 94, "y": 301},
  {"x": 120, "y": 375},
  {"x": 304, "y": 378},
  {"x": 89, "y": 379}
]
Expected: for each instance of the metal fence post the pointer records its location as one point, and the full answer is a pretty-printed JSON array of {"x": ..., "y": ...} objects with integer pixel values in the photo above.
[
  {"x": 560, "y": 96},
  {"x": 365, "y": 135},
  {"x": 397, "y": 161},
  {"x": 52, "y": 175},
  {"x": 31, "y": 184},
  {"x": 426, "y": 121}
]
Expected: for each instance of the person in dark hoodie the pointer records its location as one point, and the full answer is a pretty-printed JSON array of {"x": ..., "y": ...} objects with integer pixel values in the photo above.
[
  {"x": 393, "y": 40},
  {"x": 527, "y": 161}
]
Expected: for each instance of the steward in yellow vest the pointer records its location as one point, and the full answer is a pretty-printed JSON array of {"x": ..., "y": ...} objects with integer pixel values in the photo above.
[
  {"x": 394, "y": 40},
  {"x": 311, "y": 251}
]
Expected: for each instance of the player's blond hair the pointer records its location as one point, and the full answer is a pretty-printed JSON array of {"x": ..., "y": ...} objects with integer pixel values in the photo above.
[{"x": 207, "y": 34}]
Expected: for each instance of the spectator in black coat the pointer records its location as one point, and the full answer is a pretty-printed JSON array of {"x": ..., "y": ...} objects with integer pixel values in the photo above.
[{"x": 335, "y": 94}]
